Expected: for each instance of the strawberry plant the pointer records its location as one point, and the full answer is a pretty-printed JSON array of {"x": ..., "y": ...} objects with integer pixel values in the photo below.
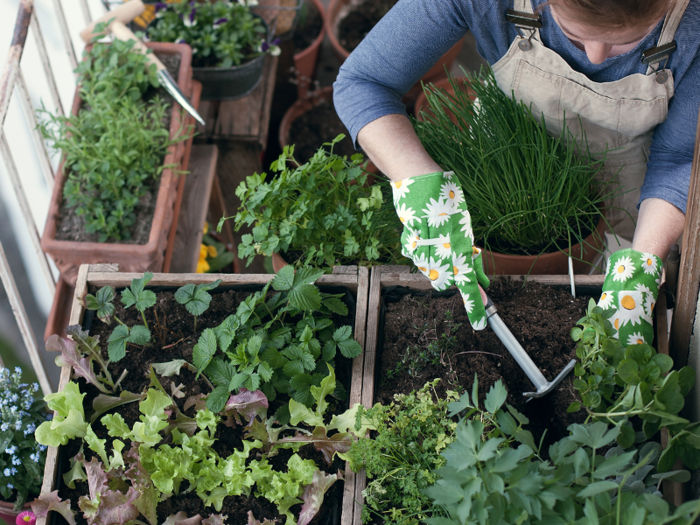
[{"x": 322, "y": 210}]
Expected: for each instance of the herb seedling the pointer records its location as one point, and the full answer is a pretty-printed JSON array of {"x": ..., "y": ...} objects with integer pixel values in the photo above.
[{"x": 196, "y": 298}]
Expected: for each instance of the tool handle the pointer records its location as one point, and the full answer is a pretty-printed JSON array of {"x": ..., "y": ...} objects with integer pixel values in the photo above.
[
  {"x": 125, "y": 13},
  {"x": 121, "y": 32}
]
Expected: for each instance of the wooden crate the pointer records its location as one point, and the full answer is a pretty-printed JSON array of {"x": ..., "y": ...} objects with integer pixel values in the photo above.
[
  {"x": 383, "y": 277},
  {"x": 98, "y": 275}
]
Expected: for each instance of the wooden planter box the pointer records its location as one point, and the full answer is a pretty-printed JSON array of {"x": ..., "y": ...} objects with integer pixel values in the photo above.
[
  {"x": 69, "y": 255},
  {"x": 383, "y": 277},
  {"x": 354, "y": 278}
]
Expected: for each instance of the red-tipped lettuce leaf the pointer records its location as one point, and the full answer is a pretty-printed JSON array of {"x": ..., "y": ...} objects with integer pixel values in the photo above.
[
  {"x": 198, "y": 401},
  {"x": 102, "y": 403},
  {"x": 215, "y": 519},
  {"x": 46, "y": 503},
  {"x": 328, "y": 446},
  {"x": 181, "y": 519},
  {"x": 70, "y": 356},
  {"x": 248, "y": 404},
  {"x": 253, "y": 521},
  {"x": 313, "y": 495}
]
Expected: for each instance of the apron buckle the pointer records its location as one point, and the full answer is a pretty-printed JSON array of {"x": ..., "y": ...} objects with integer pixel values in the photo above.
[
  {"x": 524, "y": 22},
  {"x": 656, "y": 58}
]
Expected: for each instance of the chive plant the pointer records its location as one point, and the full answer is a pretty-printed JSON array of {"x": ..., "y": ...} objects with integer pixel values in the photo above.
[{"x": 528, "y": 192}]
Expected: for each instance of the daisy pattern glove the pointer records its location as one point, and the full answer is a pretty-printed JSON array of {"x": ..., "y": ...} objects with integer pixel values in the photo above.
[
  {"x": 438, "y": 237},
  {"x": 631, "y": 288}
]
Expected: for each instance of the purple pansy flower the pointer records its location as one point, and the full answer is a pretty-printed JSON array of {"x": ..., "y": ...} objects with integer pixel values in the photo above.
[
  {"x": 180, "y": 41},
  {"x": 220, "y": 22},
  {"x": 272, "y": 47},
  {"x": 190, "y": 21}
]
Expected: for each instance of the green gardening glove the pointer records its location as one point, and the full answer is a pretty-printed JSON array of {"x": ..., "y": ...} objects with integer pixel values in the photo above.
[
  {"x": 631, "y": 288},
  {"x": 438, "y": 237}
]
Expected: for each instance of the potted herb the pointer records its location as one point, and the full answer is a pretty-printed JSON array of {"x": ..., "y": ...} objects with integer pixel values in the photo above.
[
  {"x": 319, "y": 214},
  {"x": 21, "y": 457},
  {"x": 530, "y": 194},
  {"x": 199, "y": 400},
  {"x": 123, "y": 148},
  {"x": 228, "y": 43}
]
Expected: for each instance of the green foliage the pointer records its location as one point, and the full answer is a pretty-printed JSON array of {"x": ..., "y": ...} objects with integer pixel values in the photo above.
[
  {"x": 276, "y": 344},
  {"x": 196, "y": 297},
  {"x": 69, "y": 420},
  {"x": 137, "y": 297},
  {"x": 116, "y": 143},
  {"x": 221, "y": 34},
  {"x": 102, "y": 302},
  {"x": 617, "y": 383},
  {"x": 322, "y": 209},
  {"x": 21, "y": 457},
  {"x": 525, "y": 190},
  {"x": 401, "y": 460}
]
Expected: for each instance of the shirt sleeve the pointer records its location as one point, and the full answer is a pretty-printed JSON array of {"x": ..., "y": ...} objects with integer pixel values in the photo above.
[
  {"x": 399, "y": 50},
  {"x": 671, "y": 154}
]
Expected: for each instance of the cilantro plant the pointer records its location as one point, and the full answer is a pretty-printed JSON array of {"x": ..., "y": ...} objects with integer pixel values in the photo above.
[
  {"x": 617, "y": 384},
  {"x": 277, "y": 344},
  {"x": 117, "y": 142},
  {"x": 322, "y": 210},
  {"x": 21, "y": 457},
  {"x": 221, "y": 34}
]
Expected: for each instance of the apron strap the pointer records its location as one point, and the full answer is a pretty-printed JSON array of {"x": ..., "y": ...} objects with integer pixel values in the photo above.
[
  {"x": 525, "y": 6},
  {"x": 671, "y": 22}
]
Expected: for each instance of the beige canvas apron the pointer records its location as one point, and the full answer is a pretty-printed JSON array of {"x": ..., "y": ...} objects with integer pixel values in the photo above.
[{"x": 618, "y": 115}]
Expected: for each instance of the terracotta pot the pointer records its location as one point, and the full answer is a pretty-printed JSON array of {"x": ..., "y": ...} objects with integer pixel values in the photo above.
[
  {"x": 278, "y": 262},
  {"x": 338, "y": 9},
  {"x": 300, "y": 107},
  {"x": 556, "y": 263},
  {"x": 444, "y": 83},
  {"x": 305, "y": 61},
  {"x": 59, "y": 316},
  {"x": 69, "y": 255},
  {"x": 8, "y": 513}
]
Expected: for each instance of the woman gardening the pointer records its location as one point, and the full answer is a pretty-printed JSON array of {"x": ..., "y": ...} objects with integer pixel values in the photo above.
[{"x": 622, "y": 72}]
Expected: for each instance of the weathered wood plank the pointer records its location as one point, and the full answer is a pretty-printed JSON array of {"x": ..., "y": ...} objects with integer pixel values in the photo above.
[
  {"x": 689, "y": 271},
  {"x": 217, "y": 210},
  {"x": 193, "y": 211},
  {"x": 419, "y": 281}
]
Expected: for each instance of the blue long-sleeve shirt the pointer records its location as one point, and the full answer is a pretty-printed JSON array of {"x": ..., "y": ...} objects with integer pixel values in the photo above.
[{"x": 415, "y": 33}]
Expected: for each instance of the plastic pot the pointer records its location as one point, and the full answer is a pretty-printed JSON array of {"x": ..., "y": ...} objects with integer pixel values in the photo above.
[{"x": 8, "y": 513}]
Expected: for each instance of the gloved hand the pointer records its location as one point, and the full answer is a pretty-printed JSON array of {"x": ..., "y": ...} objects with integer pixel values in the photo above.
[
  {"x": 438, "y": 237},
  {"x": 631, "y": 287}
]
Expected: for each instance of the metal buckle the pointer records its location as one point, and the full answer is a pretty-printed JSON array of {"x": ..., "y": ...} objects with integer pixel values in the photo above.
[
  {"x": 658, "y": 56},
  {"x": 524, "y": 22}
]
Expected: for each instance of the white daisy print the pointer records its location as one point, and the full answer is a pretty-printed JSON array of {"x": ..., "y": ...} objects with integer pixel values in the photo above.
[
  {"x": 468, "y": 303},
  {"x": 406, "y": 214},
  {"x": 400, "y": 188},
  {"x": 412, "y": 239},
  {"x": 443, "y": 249},
  {"x": 649, "y": 263},
  {"x": 437, "y": 212},
  {"x": 422, "y": 263},
  {"x": 461, "y": 268},
  {"x": 615, "y": 321},
  {"x": 439, "y": 275},
  {"x": 635, "y": 339},
  {"x": 475, "y": 252},
  {"x": 649, "y": 305},
  {"x": 622, "y": 270},
  {"x": 631, "y": 308},
  {"x": 448, "y": 174},
  {"x": 452, "y": 193},
  {"x": 606, "y": 300},
  {"x": 642, "y": 288},
  {"x": 479, "y": 324}
]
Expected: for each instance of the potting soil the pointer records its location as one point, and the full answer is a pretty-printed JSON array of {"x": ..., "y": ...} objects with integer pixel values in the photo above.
[
  {"x": 71, "y": 227},
  {"x": 424, "y": 336},
  {"x": 309, "y": 27},
  {"x": 176, "y": 326},
  {"x": 360, "y": 21},
  {"x": 318, "y": 125}
]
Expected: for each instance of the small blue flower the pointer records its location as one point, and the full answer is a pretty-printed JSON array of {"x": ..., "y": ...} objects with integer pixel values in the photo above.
[
  {"x": 16, "y": 461},
  {"x": 18, "y": 370},
  {"x": 18, "y": 425},
  {"x": 13, "y": 470},
  {"x": 4, "y": 427},
  {"x": 10, "y": 486},
  {"x": 7, "y": 472},
  {"x": 35, "y": 387},
  {"x": 11, "y": 450},
  {"x": 49, "y": 416},
  {"x": 42, "y": 447}
]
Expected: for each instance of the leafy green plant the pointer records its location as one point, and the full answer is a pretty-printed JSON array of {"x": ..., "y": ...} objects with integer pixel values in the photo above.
[
  {"x": 401, "y": 458},
  {"x": 276, "y": 343},
  {"x": 322, "y": 210},
  {"x": 618, "y": 383},
  {"x": 221, "y": 34},
  {"x": 116, "y": 143},
  {"x": 527, "y": 192},
  {"x": 196, "y": 298}
]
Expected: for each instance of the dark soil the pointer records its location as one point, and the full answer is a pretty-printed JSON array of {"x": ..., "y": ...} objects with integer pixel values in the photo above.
[
  {"x": 173, "y": 332},
  {"x": 316, "y": 126},
  {"x": 71, "y": 227},
  {"x": 539, "y": 316},
  {"x": 360, "y": 20},
  {"x": 308, "y": 28}
]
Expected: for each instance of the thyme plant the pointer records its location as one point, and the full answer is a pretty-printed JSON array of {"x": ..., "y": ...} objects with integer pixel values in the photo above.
[{"x": 527, "y": 192}]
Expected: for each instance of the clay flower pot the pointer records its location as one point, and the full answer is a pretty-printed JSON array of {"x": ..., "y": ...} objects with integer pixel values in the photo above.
[
  {"x": 8, "y": 513},
  {"x": 69, "y": 255},
  {"x": 305, "y": 60},
  {"x": 338, "y": 9}
]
